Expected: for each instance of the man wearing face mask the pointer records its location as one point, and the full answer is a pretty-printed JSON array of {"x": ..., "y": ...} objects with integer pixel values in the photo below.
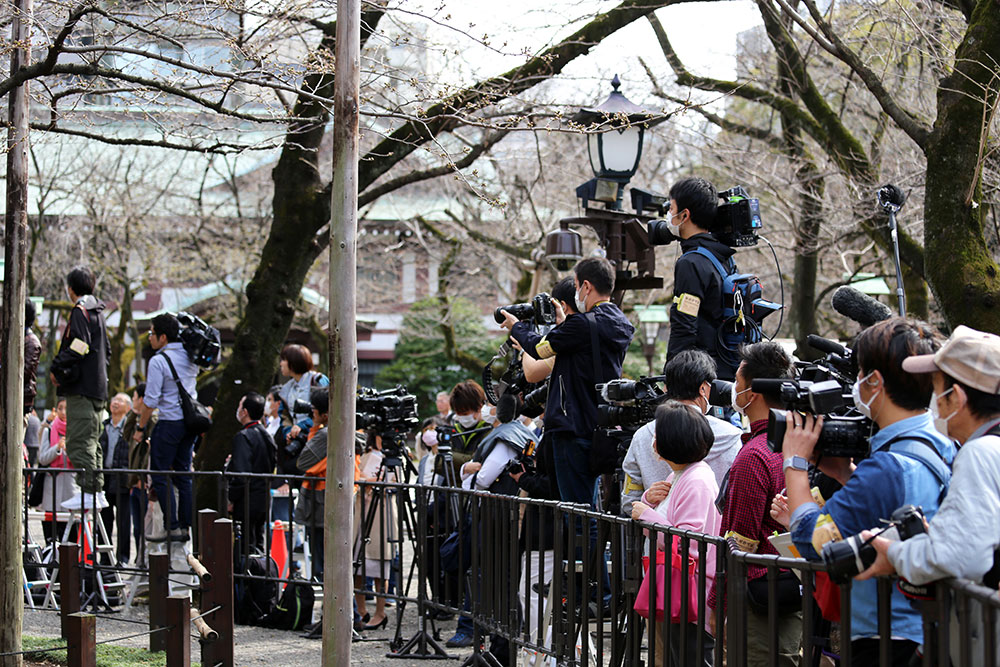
[
  {"x": 696, "y": 313},
  {"x": 588, "y": 348},
  {"x": 909, "y": 465},
  {"x": 253, "y": 451},
  {"x": 688, "y": 377},
  {"x": 745, "y": 496},
  {"x": 963, "y": 540}
]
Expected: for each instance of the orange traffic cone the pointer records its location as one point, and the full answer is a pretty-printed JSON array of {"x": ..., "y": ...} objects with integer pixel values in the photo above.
[{"x": 279, "y": 548}]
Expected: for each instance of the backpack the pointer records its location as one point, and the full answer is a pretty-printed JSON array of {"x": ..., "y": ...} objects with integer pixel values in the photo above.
[
  {"x": 743, "y": 304},
  {"x": 255, "y": 599},
  {"x": 294, "y": 609}
]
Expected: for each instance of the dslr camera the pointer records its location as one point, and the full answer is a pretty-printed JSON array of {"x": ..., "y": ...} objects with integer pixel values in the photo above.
[
  {"x": 853, "y": 555},
  {"x": 512, "y": 393}
]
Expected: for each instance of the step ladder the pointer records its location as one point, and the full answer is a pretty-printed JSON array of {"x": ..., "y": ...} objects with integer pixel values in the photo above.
[{"x": 94, "y": 550}]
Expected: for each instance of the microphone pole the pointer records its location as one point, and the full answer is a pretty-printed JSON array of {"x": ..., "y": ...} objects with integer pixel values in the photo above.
[{"x": 891, "y": 199}]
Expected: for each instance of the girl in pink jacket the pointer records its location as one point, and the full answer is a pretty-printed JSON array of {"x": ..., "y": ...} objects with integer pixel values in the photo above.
[{"x": 685, "y": 500}]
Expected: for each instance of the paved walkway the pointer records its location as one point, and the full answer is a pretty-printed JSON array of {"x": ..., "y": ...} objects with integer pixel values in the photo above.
[{"x": 255, "y": 646}]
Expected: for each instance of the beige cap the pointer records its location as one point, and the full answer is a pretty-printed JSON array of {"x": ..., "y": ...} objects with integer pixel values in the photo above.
[{"x": 969, "y": 356}]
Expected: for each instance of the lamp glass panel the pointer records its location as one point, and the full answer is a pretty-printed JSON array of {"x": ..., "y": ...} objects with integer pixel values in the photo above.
[
  {"x": 649, "y": 332},
  {"x": 620, "y": 149},
  {"x": 594, "y": 148}
]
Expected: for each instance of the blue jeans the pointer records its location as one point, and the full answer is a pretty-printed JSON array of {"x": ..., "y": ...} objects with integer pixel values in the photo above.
[{"x": 170, "y": 448}]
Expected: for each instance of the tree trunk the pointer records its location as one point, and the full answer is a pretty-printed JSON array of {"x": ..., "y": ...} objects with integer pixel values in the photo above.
[
  {"x": 12, "y": 346},
  {"x": 960, "y": 267}
]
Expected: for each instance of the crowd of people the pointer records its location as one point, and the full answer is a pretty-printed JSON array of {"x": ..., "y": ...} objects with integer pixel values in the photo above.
[{"x": 934, "y": 407}]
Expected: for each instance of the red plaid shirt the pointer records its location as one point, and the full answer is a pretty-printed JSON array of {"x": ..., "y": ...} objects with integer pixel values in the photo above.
[{"x": 753, "y": 480}]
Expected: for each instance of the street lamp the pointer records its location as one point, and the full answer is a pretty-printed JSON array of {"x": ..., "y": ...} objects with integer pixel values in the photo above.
[
  {"x": 616, "y": 131},
  {"x": 651, "y": 319}
]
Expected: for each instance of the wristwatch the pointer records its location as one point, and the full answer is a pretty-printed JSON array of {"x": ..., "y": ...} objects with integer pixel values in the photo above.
[
  {"x": 140, "y": 428},
  {"x": 795, "y": 463}
]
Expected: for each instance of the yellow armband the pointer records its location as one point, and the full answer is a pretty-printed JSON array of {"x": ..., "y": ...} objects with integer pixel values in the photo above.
[{"x": 688, "y": 304}]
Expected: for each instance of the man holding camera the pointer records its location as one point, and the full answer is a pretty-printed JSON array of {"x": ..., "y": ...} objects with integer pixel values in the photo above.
[
  {"x": 909, "y": 465},
  {"x": 170, "y": 444},
  {"x": 696, "y": 313},
  {"x": 744, "y": 497},
  {"x": 963, "y": 539},
  {"x": 688, "y": 377},
  {"x": 589, "y": 349}
]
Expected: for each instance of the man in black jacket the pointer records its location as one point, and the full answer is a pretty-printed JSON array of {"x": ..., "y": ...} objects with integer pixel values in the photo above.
[
  {"x": 80, "y": 373},
  {"x": 696, "y": 313},
  {"x": 253, "y": 451},
  {"x": 571, "y": 407}
]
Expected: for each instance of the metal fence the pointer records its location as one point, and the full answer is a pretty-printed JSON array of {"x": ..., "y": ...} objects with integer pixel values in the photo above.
[{"x": 545, "y": 582}]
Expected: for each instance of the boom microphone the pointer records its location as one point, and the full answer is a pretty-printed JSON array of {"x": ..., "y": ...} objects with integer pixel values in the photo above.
[
  {"x": 827, "y": 346},
  {"x": 890, "y": 197},
  {"x": 859, "y": 307},
  {"x": 507, "y": 408}
]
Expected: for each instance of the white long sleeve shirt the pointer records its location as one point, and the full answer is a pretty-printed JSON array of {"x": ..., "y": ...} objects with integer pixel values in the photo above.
[{"x": 965, "y": 532}]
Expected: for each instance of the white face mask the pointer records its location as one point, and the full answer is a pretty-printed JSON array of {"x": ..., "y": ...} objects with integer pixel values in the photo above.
[
  {"x": 863, "y": 408},
  {"x": 940, "y": 423},
  {"x": 268, "y": 404},
  {"x": 429, "y": 437},
  {"x": 578, "y": 301},
  {"x": 238, "y": 411},
  {"x": 465, "y": 421},
  {"x": 489, "y": 415},
  {"x": 734, "y": 399},
  {"x": 675, "y": 227}
]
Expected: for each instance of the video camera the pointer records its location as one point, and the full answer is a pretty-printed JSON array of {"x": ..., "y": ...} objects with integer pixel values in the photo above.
[
  {"x": 202, "y": 342},
  {"x": 853, "y": 555},
  {"x": 823, "y": 387},
  {"x": 629, "y": 404},
  {"x": 389, "y": 413},
  {"x": 737, "y": 221}
]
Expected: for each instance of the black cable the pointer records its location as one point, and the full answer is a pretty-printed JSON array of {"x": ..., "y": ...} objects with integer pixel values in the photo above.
[{"x": 781, "y": 283}]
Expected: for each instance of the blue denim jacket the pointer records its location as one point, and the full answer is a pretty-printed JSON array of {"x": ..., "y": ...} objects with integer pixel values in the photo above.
[{"x": 881, "y": 484}]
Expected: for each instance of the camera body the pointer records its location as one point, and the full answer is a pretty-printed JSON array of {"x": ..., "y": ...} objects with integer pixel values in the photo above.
[
  {"x": 540, "y": 311},
  {"x": 853, "y": 555},
  {"x": 629, "y": 404},
  {"x": 823, "y": 388},
  {"x": 202, "y": 342},
  {"x": 389, "y": 413},
  {"x": 737, "y": 220}
]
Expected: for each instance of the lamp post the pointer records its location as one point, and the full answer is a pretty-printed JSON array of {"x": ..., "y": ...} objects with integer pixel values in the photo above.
[
  {"x": 651, "y": 320},
  {"x": 615, "y": 133}
]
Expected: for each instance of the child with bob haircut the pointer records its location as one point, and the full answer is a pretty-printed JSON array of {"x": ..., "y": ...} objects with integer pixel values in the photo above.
[{"x": 683, "y": 439}]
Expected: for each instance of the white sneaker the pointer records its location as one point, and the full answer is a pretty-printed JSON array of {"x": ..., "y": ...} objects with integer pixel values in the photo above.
[{"x": 85, "y": 501}]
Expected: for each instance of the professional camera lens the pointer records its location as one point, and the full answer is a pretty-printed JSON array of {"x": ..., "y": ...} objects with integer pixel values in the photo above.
[
  {"x": 847, "y": 558},
  {"x": 659, "y": 233},
  {"x": 522, "y": 311}
]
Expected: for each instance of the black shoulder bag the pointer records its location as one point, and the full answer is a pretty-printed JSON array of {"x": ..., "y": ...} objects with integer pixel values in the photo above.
[{"x": 197, "y": 418}]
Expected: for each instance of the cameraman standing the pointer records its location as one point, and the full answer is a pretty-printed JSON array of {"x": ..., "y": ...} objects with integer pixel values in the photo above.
[
  {"x": 696, "y": 313},
  {"x": 589, "y": 349},
  {"x": 909, "y": 465},
  {"x": 170, "y": 445}
]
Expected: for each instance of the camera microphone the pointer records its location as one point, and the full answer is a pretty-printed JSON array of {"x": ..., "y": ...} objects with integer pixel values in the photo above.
[
  {"x": 859, "y": 307},
  {"x": 891, "y": 197},
  {"x": 507, "y": 408},
  {"x": 827, "y": 346}
]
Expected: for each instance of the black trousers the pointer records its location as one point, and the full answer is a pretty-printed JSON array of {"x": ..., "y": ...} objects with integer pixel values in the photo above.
[{"x": 118, "y": 515}]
